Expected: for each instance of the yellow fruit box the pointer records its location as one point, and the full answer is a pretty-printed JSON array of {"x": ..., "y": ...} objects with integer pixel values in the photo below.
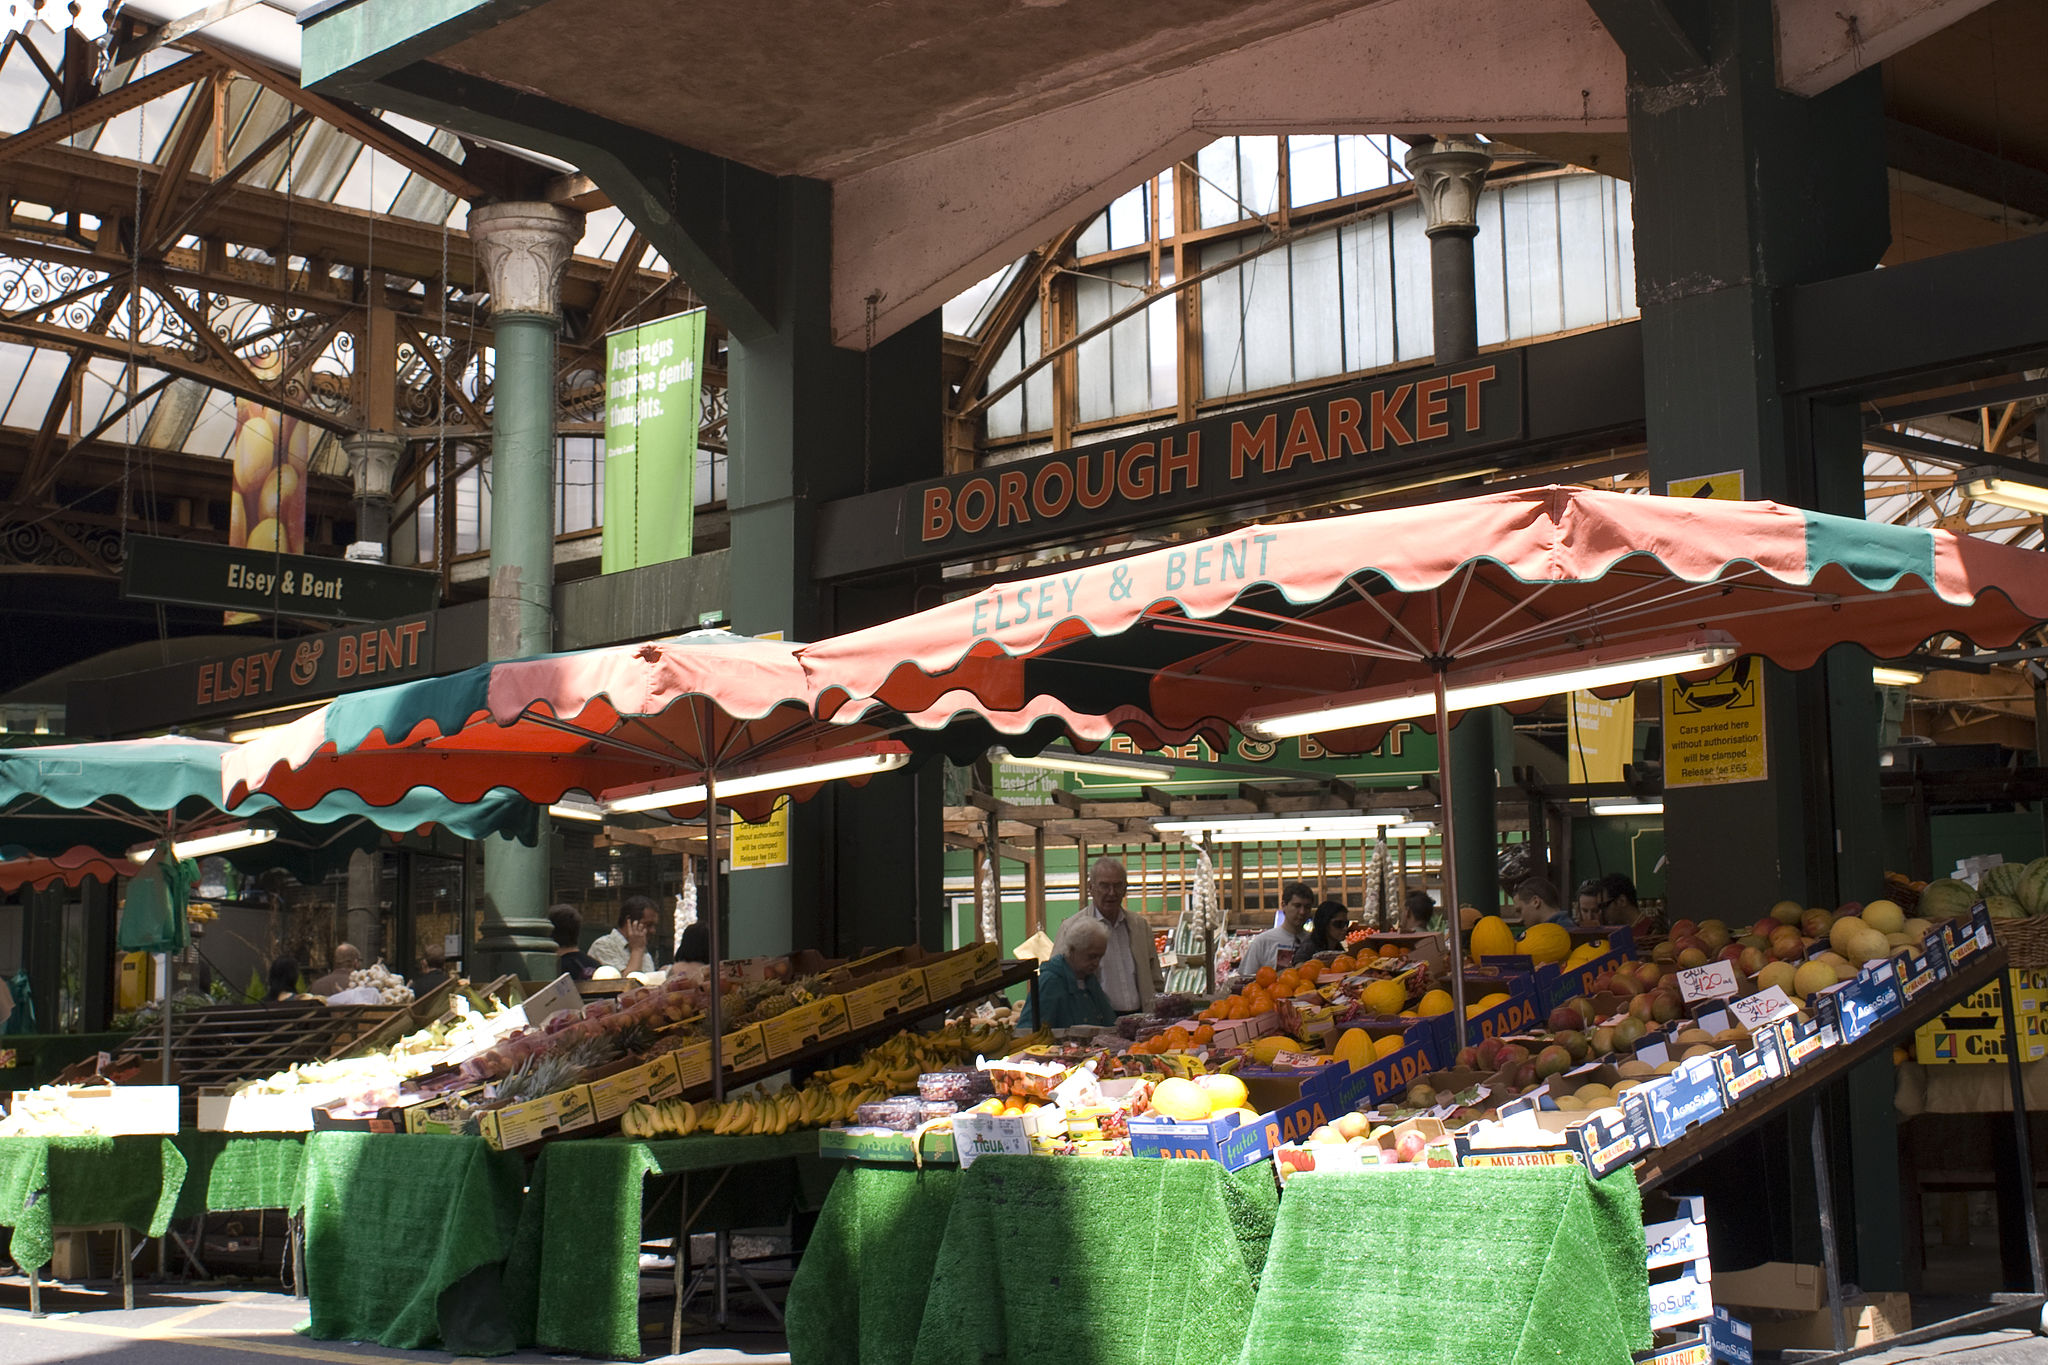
[
  {"x": 1965, "y": 1036},
  {"x": 957, "y": 971},
  {"x": 610, "y": 1095},
  {"x": 876, "y": 1001},
  {"x": 742, "y": 1049},
  {"x": 794, "y": 1030},
  {"x": 521, "y": 1125},
  {"x": 692, "y": 1066}
]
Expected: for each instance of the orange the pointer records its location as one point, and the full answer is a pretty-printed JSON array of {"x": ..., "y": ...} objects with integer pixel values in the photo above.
[
  {"x": 1204, "y": 1036},
  {"x": 1264, "y": 976},
  {"x": 1393, "y": 950},
  {"x": 1310, "y": 971},
  {"x": 1343, "y": 962},
  {"x": 1286, "y": 984}
]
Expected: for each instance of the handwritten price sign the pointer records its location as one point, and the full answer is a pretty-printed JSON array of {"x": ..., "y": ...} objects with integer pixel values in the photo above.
[
  {"x": 1715, "y": 981},
  {"x": 1766, "y": 1006}
]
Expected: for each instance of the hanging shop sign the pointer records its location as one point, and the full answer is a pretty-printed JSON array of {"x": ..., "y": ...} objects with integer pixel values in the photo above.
[
  {"x": 1714, "y": 728},
  {"x": 1726, "y": 486},
  {"x": 263, "y": 677},
  {"x": 199, "y": 574},
  {"x": 653, "y": 380},
  {"x": 1602, "y": 739},
  {"x": 1377, "y": 425},
  {"x": 1405, "y": 754}
]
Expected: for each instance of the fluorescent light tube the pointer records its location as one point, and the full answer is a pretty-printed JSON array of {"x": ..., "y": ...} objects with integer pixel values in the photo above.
[
  {"x": 576, "y": 810},
  {"x": 1884, "y": 675},
  {"x": 862, "y": 764},
  {"x": 1479, "y": 687},
  {"x": 245, "y": 836},
  {"x": 1095, "y": 765},
  {"x": 1991, "y": 484},
  {"x": 1628, "y": 807}
]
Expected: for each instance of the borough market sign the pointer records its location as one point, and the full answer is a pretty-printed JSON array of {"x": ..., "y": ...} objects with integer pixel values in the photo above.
[{"x": 1378, "y": 425}]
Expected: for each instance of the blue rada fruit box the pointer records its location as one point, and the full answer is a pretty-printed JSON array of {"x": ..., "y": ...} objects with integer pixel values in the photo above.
[
  {"x": 1224, "y": 1138},
  {"x": 1516, "y": 1014},
  {"x": 1860, "y": 1004},
  {"x": 1662, "y": 1110},
  {"x": 1557, "y": 983}
]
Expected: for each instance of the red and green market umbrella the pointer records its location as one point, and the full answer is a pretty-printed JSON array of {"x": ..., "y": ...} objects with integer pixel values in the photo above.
[{"x": 1343, "y": 626}]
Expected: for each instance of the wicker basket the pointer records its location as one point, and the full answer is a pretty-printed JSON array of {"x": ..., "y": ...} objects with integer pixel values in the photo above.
[{"x": 2025, "y": 940}]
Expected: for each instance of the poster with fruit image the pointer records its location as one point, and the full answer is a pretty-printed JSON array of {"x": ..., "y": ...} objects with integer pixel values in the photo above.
[{"x": 268, "y": 455}]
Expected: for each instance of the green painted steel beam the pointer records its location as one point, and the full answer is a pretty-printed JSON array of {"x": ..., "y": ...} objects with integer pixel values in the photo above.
[{"x": 368, "y": 39}]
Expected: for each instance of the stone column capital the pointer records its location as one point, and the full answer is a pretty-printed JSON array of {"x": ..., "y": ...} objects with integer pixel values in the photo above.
[
  {"x": 1449, "y": 174},
  {"x": 523, "y": 248},
  {"x": 373, "y": 458}
]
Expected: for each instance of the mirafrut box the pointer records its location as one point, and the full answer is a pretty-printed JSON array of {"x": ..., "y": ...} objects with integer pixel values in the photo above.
[
  {"x": 1298, "y": 1158},
  {"x": 796, "y": 1029}
]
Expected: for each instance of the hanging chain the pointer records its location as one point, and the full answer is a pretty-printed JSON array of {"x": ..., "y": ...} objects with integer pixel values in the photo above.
[
  {"x": 867, "y": 398},
  {"x": 447, "y": 363},
  {"x": 134, "y": 325}
]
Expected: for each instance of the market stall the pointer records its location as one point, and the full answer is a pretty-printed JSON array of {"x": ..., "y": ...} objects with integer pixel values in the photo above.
[{"x": 60, "y": 1184}]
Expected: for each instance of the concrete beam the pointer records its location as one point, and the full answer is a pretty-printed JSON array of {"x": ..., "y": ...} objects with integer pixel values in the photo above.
[
  {"x": 1820, "y": 44},
  {"x": 920, "y": 229},
  {"x": 1660, "y": 44}
]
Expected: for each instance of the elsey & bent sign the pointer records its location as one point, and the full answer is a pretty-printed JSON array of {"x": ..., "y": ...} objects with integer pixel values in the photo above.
[{"x": 1315, "y": 438}]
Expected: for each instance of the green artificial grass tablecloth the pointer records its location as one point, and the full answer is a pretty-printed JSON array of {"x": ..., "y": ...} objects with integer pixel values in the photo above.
[
  {"x": 394, "y": 1223},
  {"x": 70, "y": 1182},
  {"x": 1474, "y": 1266},
  {"x": 890, "y": 1221},
  {"x": 573, "y": 1282},
  {"x": 1116, "y": 1260},
  {"x": 238, "y": 1172}
]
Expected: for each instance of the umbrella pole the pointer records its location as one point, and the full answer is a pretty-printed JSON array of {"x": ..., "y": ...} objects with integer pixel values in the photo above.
[
  {"x": 1452, "y": 921},
  {"x": 711, "y": 936}
]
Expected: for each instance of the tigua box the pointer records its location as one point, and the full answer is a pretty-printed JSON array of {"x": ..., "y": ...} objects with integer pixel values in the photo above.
[
  {"x": 1663, "y": 1109},
  {"x": 796, "y": 1029},
  {"x": 1606, "y": 1140},
  {"x": 1861, "y": 1003},
  {"x": 1298, "y": 1158},
  {"x": 876, "y": 1001}
]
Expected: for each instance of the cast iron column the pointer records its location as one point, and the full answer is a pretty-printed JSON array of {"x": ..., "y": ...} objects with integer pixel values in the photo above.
[
  {"x": 523, "y": 248},
  {"x": 1450, "y": 174},
  {"x": 372, "y": 461}
]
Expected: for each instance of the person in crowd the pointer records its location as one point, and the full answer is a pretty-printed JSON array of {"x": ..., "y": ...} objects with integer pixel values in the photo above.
[
  {"x": 630, "y": 947},
  {"x": 6, "y": 1005},
  {"x": 433, "y": 969},
  {"x": 1620, "y": 906},
  {"x": 1286, "y": 942},
  {"x": 566, "y": 926},
  {"x": 1131, "y": 975},
  {"x": 282, "y": 984},
  {"x": 1326, "y": 932},
  {"x": 695, "y": 944},
  {"x": 1419, "y": 915},
  {"x": 347, "y": 958},
  {"x": 1592, "y": 895},
  {"x": 1536, "y": 902},
  {"x": 1069, "y": 982}
]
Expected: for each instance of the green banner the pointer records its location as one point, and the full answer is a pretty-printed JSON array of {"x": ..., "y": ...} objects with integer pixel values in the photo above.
[
  {"x": 653, "y": 379},
  {"x": 1404, "y": 757}
]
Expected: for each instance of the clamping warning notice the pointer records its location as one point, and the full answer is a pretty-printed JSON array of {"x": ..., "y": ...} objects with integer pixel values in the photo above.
[{"x": 1714, "y": 728}]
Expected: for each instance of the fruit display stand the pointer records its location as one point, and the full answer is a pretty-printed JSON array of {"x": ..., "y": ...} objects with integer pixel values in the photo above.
[
  {"x": 574, "y": 1276},
  {"x": 240, "y": 1173},
  {"x": 1496, "y": 1265},
  {"x": 75, "y": 1184},
  {"x": 394, "y": 1222},
  {"x": 1166, "y": 1253}
]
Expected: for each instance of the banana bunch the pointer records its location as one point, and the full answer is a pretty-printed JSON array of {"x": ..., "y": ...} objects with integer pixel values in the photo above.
[
  {"x": 811, "y": 1107},
  {"x": 900, "y": 1060}
]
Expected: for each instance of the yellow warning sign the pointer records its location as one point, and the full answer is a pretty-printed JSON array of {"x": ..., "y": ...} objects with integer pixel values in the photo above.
[
  {"x": 1726, "y": 485},
  {"x": 1714, "y": 729},
  {"x": 762, "y": 845}
]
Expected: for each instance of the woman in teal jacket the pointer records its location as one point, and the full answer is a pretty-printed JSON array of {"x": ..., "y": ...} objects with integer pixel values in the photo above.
[{"x": 1069, "y": 992}]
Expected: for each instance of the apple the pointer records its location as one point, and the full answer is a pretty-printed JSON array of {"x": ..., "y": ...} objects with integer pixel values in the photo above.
[
  {"x": 1690, "y": 958},
  {"x": 1714, "y": 935},
  {"x": 1788, "y": 912},
  {"x": 1552, "y": 1061},
  {"x": 1763, "y": 927},
  {"x": 1574, "y": 1042},
  {"x": 1665, "y": 1008},
  {"x": 1682, "y": 928},
  {"x": 1751, "y": 961},
  {"x": 1816, "y": 922},
  {"x": 1648, "y": 975},
  {"x": 1409, "y": 1146},
  {"x": 1639, "y": 1009},
  {"x": 1582, "y": 1007},
  {"x": 1564, "y": 1017},
  {"x": 1665, "y": 951},
  {"x": 1468, "y": 1060},
  {"x": 1732, "y": 953}
]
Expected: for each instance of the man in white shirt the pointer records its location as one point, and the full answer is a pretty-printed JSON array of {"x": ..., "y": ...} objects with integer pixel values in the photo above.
[
  {"x": 627, "y": 947},
  {"x": 1130, "y": 972},
  {"x": 1298, "y": 902}
]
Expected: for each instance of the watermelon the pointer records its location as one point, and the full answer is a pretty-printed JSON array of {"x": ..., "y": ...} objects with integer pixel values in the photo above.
[
  {"x": 2032, "y": 891},
  {"x": 1947, "y": 899},
  {"x": 2004, "y": 907},
  {"x": 2003, "y": 880}
]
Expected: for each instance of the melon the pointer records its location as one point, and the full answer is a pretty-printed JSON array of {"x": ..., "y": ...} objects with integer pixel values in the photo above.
[
  {"x": 1867, "y": 945},
  {"x": 1810, "y": 977},
  {"x": 1842, "y": 930},
  {"x": 1884, "y": 916},
  {"x": 1177, "y": 1098},
  {"x": 1947, "y": 899},
  {"x": 2003, "y": 880},
  {"x": 2004, "y": 907},
  {"x": 1546, "y": 943},
  {"x": 1355, "y": 1048},
  {"x": 2032, "y": 892},
  {"x": 1491, "y": 937}
]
